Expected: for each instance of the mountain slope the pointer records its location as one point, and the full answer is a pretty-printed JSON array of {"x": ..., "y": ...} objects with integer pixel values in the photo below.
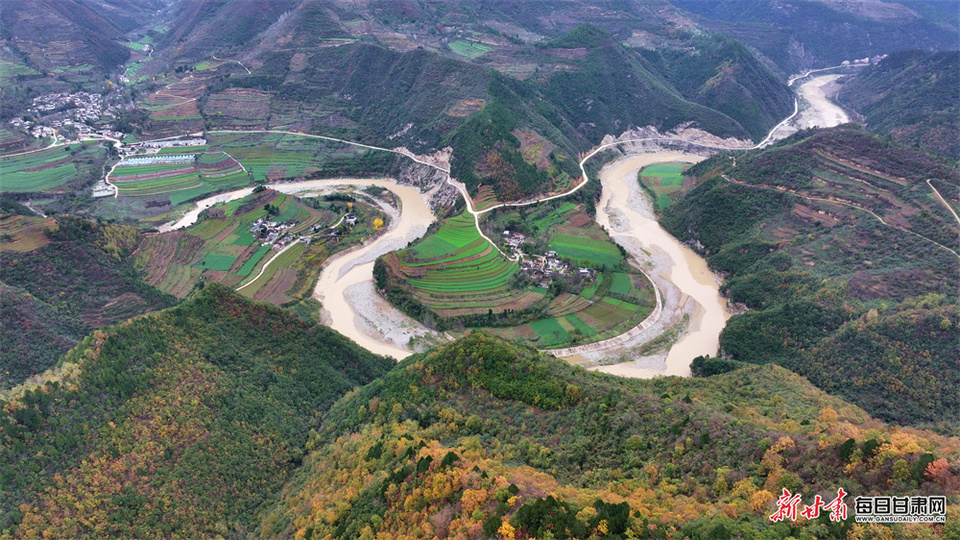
[
  {"x": 481, "y": 438},
  {"x": 200, "y": 28},
  {"x": 614, "y": 89},
  {"x": 180, "y": 423},
  {"x": 796, "y": 229},
  {"x": 60, "y": 280},
  {"x": 720, "y": 73},
  {"x": 71, "y": 33},
  {"x": 424, "y": 100},
  {"x": 913, "y": 96},
  {"x": 801, "y": 34}
]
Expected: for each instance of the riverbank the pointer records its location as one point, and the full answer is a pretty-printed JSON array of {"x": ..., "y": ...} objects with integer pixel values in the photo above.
[{"x": 688, "y": 286}]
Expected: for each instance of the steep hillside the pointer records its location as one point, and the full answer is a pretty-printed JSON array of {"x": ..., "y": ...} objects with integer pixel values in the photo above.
[
  {"x": 181, "y": 423},
  {"x": 797, "y": 230},
  {"x": 484, "y": 439},
  {"x": 65, "y": 33},
  {"x": 913, "y": 96},
  {"x": 813, "y": 33},
  {"x": 59, "y": 280},
  {"x": 424, "y": 100},
  {"x": 722, "y": 74},
  {"x": 613, "y": 89},
  {"x": 200, "y": 28}
]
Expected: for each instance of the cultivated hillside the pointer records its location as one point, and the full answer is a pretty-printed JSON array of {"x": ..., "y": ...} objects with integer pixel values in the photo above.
[
  {"x": 481, "y": 438},
  {"x": 425, "y": 99},
  {"x": 183, "y": 423},
  {"x": 797, "y": 231}
]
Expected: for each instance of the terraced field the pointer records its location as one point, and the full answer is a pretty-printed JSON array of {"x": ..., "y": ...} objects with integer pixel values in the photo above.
[
  {"x": 456, "y": 269},
  {"x": 469, "y": 49},
  {"x": 274, "y": 156},
  {"x": 222, "y": 247},
  {"x": 586, "y": 250},
  {"x": 24, "y": 233},
  {"x": 463, "y": 281},
  {"x": 193, "y": 175},
  {"x": 49, "y": 169},
  {"x": 611, "y": 305}
]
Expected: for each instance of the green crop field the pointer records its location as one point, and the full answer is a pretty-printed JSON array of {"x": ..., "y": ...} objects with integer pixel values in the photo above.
[
  {"x": 455, "y": 268},
  {"x": 662, "y": 180},
  {"x": 46, "y": 169},
  {"x": 550, "y": 332},
  {"x": 583, "y": 327},
  {"x": 274, "y": 156},
  {"x": 554, "y": 217},
  {"x": 621, "y": 283},
  {"x": 12, "y": 69},
  {"x": 252, "y": 261},
  {"x": 575, "y": 247},
  {"x": 209, "y": 172},
  {"x": 670, "y": 174},
  {"x": 215, "y": 261},
  {"x": 469, "y": 49}
]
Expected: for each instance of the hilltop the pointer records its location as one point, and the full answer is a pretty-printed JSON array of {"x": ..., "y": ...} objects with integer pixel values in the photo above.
[
  {"x": 796, "y": 230},
  {"x": 482, "y": 438},
  {"x": 181, "y": 423}
]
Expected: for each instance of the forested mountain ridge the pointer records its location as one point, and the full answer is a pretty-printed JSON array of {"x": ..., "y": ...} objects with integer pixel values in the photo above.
[
  {"x": 482, "y": 438},
  {"x": 60, "y": 279},
  {"x": 802, "y": 245},
  {"x": 913, "y": 96},
  {"x": 180, "y": 423}
]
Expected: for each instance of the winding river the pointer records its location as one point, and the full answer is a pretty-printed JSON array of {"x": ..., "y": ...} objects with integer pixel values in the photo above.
[
  {"x": 640, "y": 234},
  {"x": 622, "y": 211}
]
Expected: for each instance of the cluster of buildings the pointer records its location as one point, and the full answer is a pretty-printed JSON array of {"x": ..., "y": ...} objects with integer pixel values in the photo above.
[
  {"x": 541, "y": 268},
  {"x": 150, "y": 148},
  {"x": 273, "y": 233},
  {"x": 64, "y": 111}
]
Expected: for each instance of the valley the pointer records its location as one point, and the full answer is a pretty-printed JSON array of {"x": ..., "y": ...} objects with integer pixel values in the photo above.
[
  {"x": 348, "y": 277},
  {"x": 479, "y": 269}
]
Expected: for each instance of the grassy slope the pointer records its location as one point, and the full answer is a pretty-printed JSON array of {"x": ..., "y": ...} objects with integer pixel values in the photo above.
[
  {"x": 477, "y": 433},
  {"x": 814, "y": 273},
  {"x": 81, "y": 280},
  {"x": 179, "y": 423}
]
